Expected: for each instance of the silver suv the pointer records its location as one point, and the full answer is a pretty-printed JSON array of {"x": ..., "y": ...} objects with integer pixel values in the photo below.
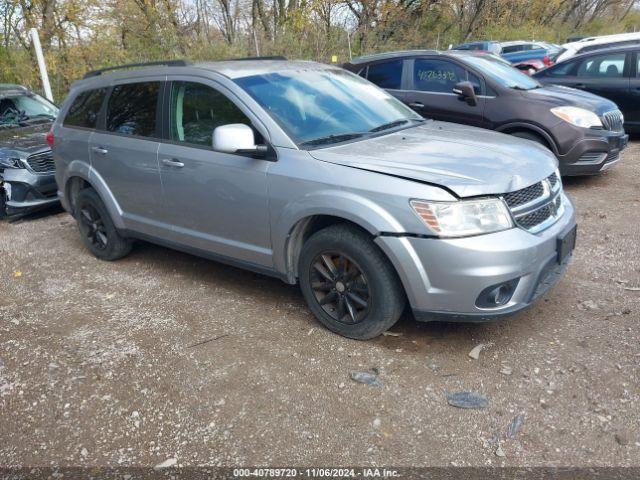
[{"x": 314, "y": 175}]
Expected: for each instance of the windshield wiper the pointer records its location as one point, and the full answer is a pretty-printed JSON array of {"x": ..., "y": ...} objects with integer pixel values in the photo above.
[
  {"x": 395, "y": 123},
  {"x": 387, "y": 126},
  {"x": 332, "y": 139},
  {"x": 41, "y": 115},
  {"x": 518, "y": 87}
]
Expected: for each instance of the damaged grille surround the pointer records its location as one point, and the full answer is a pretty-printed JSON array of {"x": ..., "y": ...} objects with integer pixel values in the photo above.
[
  {"x": 538, "y": 206},
  {"x": 41, "y": 162}
]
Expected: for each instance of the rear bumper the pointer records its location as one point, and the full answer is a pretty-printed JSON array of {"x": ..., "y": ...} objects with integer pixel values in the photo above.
[
  {"x": 598, "y": 151},
  {"x": 444, "y": 278},
  {"x": 26, "y": 191}
]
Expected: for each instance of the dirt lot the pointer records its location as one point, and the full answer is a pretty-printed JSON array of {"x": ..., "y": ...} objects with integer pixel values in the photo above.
[{"x": 102, "y": 363}]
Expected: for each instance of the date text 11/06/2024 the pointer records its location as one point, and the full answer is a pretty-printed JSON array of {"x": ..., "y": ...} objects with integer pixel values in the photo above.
[{"x": 316, "y": 472}]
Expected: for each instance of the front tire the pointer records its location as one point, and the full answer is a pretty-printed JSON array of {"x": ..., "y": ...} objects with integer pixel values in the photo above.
[
  {"x": 349, "y": 284},
  {"x": 97, "y": 231}
]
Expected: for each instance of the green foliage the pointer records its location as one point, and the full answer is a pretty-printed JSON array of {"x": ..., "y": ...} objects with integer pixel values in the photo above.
[{"x": 88, "y": 34}]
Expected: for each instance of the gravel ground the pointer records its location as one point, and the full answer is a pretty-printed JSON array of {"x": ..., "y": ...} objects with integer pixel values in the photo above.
[{"x": 163, "y": 355}]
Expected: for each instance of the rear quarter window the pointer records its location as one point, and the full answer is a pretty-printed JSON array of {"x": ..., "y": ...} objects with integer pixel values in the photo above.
[{"x": 85, "y": 108}]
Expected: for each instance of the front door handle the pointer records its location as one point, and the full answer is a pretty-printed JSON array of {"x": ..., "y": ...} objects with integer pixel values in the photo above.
[
  {"x": 100, "y": 150},
  {"x": 416, "y": 105},
  {"x": 171, "y": 162},
  {"x": 579, "y": 85}
]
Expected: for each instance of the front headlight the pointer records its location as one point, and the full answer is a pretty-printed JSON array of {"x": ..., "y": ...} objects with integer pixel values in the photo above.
[
  {"x": 11, "y": 162},
  {"x": 577, "y": 116},
  {"x": 465, "y": 217}
]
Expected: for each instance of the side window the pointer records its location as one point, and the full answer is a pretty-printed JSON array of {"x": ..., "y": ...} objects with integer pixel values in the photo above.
[
  {"x": 441, "y": 76},
  {"x": 132, "y": 109},
  {"x": 512, "y": 48},
  {"x": 386, "y": 75},
  {"x": 608, "y": 65},
  {"x": 196, "y": 110},
  {"x": 564, "y": 68},
  {"x": 85, "y": 108}
]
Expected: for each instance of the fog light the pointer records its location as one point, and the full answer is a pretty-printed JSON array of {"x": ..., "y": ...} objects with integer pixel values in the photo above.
[{"x": 497, "y": 295}]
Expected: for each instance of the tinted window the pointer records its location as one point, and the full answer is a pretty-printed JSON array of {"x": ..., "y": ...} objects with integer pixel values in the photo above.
[
  {"x": 84, "y": 109},
  {"x": 606, "y": 65},
  {"x": 196, "y": 110},
  {"x": 564, "y": 68},
  {"x": 441, "y": 76},
  {"x": 132, "y": 109},
  {"x": 513, "y": 48},
  {"x": 386, "y": 75}
]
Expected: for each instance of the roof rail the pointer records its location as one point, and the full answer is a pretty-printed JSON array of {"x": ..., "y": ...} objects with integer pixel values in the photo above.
[
  {"x": 273, "y": 57},
  {"x": 167, "y": 63}
]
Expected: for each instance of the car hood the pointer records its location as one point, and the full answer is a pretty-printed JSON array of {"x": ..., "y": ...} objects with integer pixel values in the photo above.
[
  {"x": 556, "y": 96},
  {"x": 466, "y": 160},
  {"x": 24, "y": 141}
]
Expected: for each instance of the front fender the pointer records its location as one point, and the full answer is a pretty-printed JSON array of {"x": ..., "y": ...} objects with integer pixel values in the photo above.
[
  {"x": 330, "y": 202},
  {"x": 533, "y": 128}
]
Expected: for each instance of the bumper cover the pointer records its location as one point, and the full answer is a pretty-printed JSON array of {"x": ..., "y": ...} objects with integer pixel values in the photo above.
[
  {"x": 444, "y": 277},
  {"x": 596, "y": 152},
  {"x": 27, "y": 191}
]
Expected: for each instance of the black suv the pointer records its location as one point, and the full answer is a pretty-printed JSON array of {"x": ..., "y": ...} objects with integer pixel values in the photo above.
[
  {"x": 613, "y": 73},
  {"x": 27, "y": 180},
  {"x": 584, "y": 131}
]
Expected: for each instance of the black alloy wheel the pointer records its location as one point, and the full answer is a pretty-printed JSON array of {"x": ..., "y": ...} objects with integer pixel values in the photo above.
[
  {"x": 93, "y": 227},
  {"x": 340, "y": 287},
  {"x": 96, "y": 228}
]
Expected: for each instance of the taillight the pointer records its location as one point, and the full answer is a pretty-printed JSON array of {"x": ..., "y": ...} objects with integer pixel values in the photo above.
[
  {"x": 50, "y": 139},
  {"x": 547, "y": 61}
]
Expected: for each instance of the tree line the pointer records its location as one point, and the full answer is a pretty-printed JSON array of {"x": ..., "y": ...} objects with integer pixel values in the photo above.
[{"x": 80, "y": 35}]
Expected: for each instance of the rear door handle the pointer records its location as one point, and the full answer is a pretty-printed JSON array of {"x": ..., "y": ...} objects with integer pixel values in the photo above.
[
  {"x": 416, "y": 105},
  {"x": 172, "y": 162},
  {"x": 579, "y": 85},
  {"x": 100, "y": 150}
]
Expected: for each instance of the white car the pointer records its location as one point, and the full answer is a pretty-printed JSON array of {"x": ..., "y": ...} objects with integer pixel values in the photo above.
[{"x": 596, "y": 43}]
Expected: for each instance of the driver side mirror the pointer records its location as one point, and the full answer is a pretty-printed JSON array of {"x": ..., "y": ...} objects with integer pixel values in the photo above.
[
  {"x": 236, "y": 138},
  {"x": 466, "y": 92}
]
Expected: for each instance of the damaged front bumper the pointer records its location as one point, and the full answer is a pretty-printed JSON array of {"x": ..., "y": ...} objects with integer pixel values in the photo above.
[{"x": 25, "y": 191}]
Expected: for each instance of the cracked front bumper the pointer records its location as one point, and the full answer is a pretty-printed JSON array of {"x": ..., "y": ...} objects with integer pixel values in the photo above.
[
  {"x": 26, "y": 191},
  {"x": 444, "y": 278}
]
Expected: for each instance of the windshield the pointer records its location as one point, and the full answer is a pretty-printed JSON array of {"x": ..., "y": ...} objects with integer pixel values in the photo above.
[
  {"x": 317, "y": 107},
  {"x": 505, "y": 75},
  {"x": 23, "y": 108}
]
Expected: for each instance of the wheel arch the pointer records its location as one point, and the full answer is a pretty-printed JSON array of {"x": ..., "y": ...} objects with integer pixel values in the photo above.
[
  {"x": 79, "y": 175},
  {"x": 514, "y": 127}
]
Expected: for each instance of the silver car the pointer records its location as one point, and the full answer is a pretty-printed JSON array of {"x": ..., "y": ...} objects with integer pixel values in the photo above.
[{"x": 311, "y": 174}]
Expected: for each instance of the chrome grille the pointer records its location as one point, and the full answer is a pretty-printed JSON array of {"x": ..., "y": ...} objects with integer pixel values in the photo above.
[
  {"x": 41, "y": 162},
  {"x": 537, "y": 206},
  {"x": 613, "y": 121}
]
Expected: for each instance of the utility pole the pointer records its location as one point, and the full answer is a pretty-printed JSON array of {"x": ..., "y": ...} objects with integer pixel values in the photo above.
[{"x": 35, "y": 38}]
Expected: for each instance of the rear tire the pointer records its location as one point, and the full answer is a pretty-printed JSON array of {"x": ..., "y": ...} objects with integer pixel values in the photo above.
[
  {"x": 349, "y": 284},
  {"x": 97, "y": 231}
]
